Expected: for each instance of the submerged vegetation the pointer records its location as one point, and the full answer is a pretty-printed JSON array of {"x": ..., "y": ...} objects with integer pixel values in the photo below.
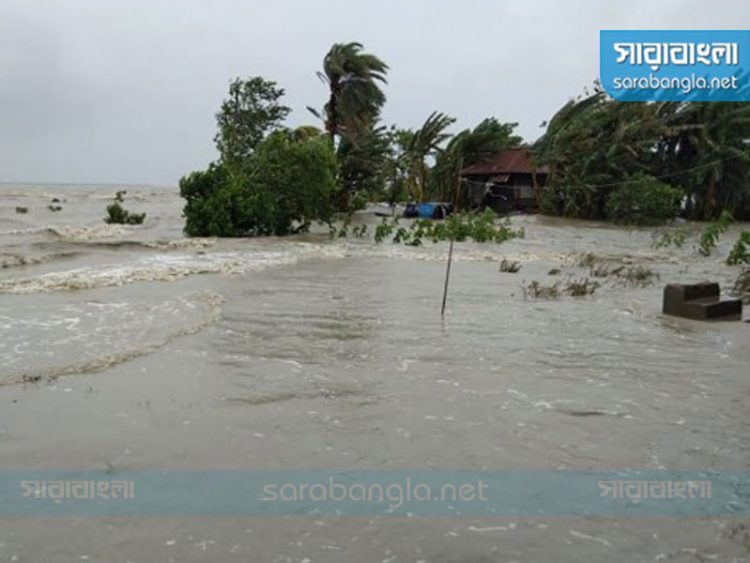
[
  {"x": 637, "y": 275},
  {"x": 708, "y": 240},
  {"x": 741, "y": 286},
  {"x": 740, "y": 253},
  {"x": 573, "y": 287},
  {"x": 461, "y": 227},
  {"x": 711, "y": 234},
  {"x": 118, "y": 215},
  {"x": 458, "y": 227},
  {"x": 510, "y": 266}
]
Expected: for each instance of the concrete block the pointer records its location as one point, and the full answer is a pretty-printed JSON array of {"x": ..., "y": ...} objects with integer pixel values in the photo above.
[{"x": 699, "y": 302}]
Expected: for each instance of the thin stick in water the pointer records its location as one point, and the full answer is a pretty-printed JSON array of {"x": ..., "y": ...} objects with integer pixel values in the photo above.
[{"x": 447, "y": 278}]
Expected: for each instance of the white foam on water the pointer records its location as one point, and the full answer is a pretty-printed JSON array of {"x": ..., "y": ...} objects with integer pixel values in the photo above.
[
  {"x": 71, "y": 233},
  {"x": 168, "y": 267},
  {"x": 463, "y": 252},
  {"x": 83, "y": 234},
  {"x": 89, "y": 337}
]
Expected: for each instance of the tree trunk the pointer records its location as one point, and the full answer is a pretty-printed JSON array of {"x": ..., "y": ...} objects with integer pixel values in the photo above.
[
  {"x": 709, "y": 206},
  {"x": 332, "y": 118}
]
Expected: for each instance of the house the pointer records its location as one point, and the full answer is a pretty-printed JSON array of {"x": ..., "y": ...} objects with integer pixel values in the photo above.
[{"x": 506, "y": 182}]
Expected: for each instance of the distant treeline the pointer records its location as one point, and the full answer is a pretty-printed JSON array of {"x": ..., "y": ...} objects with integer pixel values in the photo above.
[
  {"x": 643, "y": 162},
  {"x": 636, "y": 163},
  {"x": 270, "y": 180}
]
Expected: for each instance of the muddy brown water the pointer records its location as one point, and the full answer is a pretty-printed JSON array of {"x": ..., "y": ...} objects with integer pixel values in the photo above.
[{"x": 135, "y": 348}]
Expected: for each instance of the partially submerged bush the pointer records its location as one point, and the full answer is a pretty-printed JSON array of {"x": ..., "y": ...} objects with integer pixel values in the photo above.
[
  {"x": 672, "y": 237},
  {"x": 459, "y": 227},
  {"x": 384, "y": 230},
  {"x": 711, "y": 234},
  {"x": 643, "y": 200},
  {"x": 634, "y": 275},
  {"x": 536, "y": 290},
  {"x": 587, "y": 260},
  {"x": 604, "y": 270},
  {"x": 573, "y": 287},
  {"x": 638, "y": 275},
  {"x": 581, "y": 288},
  {"x": 739, "y": 253},
  {"x": 510, "y": 266},
  {"x": 118, "y": 215},
  {"x": 286, "y": 185},
  {"x": 741, "y": 288}
]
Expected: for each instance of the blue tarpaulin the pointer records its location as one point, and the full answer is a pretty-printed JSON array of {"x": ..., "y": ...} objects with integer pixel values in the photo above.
[{"x": 427, "y": 210}]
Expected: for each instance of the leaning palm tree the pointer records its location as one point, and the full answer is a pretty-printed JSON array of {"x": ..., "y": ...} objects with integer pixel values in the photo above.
[
  {"x": 355, "y": 97},
  {"x": 427, "y": 141}
]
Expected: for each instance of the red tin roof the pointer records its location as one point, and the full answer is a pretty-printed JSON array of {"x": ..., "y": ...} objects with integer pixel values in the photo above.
[{"x": 511, "y": 161}]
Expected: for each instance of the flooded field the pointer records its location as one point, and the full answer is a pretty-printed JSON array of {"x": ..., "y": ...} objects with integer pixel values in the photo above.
[{"x": 130, "y": 348}]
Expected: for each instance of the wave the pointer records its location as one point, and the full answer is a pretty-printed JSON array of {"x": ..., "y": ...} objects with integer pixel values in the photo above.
[
  {"x": 167, "y": 268},
  {"x": 100, "y": 193},
  {"x": 19, "y": 260},
  {"x": 210, "y": 308},
  {"x": 439, "y": 253},
  {"x": 83, "y": 234},
  {"x": 70, "y": 233}
]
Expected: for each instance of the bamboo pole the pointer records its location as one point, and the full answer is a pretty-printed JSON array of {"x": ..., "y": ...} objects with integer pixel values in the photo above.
[{"x": 450, "y": 249}]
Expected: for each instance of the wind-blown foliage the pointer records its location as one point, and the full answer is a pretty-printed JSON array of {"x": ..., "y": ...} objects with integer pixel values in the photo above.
[
  {"x": 363, "y": 169},
  {"x": 355, "y": 97},
  {"x": 421, "y": 144},
  {"x": 263, "y": 184},
  {"x": 486, "y": 140},
  {"x": 251, "y": 110},
  {"x": 350, "y": 116},
  {"x": 594, "y": 145}
]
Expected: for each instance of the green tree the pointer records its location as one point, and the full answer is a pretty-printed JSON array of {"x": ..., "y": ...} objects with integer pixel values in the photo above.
[
  {"x": 643, "y": 200},
  {"x": 363, "y": 169},
  {"x": 593, "y": 144},
  {"x": 426, "y": 142},
  {"x": 705, "y": 150},
  {"x": 355, "y": 98},
  {"x": 286, "y": 184},
  {"x": 252, "y": 109}
]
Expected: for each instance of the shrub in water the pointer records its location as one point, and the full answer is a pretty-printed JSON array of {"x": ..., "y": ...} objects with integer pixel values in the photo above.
[
  {"x": 643, "y": 200},
  {"x": 118, "y": 215},
  {"x": 285, "y": 185}
]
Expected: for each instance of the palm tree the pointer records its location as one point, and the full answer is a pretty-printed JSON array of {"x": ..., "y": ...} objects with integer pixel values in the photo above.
[
  {"x": 468, "y": 147},
  {"x": 355, "y": 97},
  {"x": 427, "y": 141}
]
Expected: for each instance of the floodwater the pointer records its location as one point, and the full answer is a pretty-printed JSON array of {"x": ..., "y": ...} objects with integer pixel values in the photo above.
[{"x": 134, "y": 348}]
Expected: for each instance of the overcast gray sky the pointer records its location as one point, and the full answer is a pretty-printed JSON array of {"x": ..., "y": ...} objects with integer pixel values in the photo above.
[{"x": 125, "y": 91}]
